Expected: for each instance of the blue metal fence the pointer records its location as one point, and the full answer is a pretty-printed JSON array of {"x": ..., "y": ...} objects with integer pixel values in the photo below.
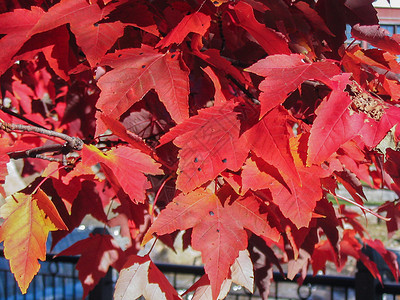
[{"x": 58, "y": 280}]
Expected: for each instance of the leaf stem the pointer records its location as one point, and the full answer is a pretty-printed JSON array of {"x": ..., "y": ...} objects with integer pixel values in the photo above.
[
  {"x": 363, "y": 208},
  {"x": 152, "y": 246},
  {"x": 158, "y": 194}
]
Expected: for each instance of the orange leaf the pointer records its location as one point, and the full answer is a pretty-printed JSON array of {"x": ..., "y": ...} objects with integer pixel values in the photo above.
[{"x": 28, "y": 220}]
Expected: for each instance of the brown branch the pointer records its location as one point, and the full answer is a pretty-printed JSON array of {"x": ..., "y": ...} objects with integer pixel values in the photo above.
[
  {"x": 36, "y": 152},
  {"x": 72, "y": 143},
  {"x": 243, "y": 89}
]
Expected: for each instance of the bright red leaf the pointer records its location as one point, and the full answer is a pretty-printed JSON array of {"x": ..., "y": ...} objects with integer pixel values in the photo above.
[
  {"x": 210, "y": 143},
  {"x": 209, "y": 117},
  {"x": 218, "y": 230},
  {"x": 94, "y": 38},
  {"x": 295, "y": 202},
  {"x": 128, "y": 166},
  {"x": 335, "y": 124},
  {"x": 271, "y": 41},
  {"x": 196, "y": 22},
  {"x": 16, "y": 26},
  {"x": 269, "y": 139}
]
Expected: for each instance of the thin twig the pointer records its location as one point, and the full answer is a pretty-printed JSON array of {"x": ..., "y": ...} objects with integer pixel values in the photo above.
[
  {"x": 362, "y": 207},
  {"x": 158, "y": 194},
  {"x": 243, "y": 89},
  {"x": 36, "y": 152},
  {"x": 49, "y": 158}
]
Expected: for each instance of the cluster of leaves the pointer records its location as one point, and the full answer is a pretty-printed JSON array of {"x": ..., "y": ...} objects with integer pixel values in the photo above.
[{"x": 229, "y": 120}]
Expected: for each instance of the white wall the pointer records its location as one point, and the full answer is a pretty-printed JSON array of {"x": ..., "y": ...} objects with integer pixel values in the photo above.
[{"x": 384, "y": 3}]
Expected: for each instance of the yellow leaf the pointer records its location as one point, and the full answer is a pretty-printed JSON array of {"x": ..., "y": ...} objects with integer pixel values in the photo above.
[{"x": 28, "y": 221}]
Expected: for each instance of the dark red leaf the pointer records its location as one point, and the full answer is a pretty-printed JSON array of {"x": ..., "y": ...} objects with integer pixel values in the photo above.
[
  {"x": 376, "y": 36},
  {"x": 284, "y": 73}
]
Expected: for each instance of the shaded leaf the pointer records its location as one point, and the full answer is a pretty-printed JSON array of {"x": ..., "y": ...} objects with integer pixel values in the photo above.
[
  {"x": 118, "y": 129},
  {"x": 313, "y": 17},
  {"x": 97, "y": 254},
  {"x": 376, "y": 36},
  {"x": 389, "y": 257},
  {"x": 284, "y": 73},
  {"x": 141, "y": 277}
]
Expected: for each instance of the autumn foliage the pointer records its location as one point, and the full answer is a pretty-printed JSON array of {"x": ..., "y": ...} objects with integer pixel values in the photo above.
[{"x": 233, "y": 121}]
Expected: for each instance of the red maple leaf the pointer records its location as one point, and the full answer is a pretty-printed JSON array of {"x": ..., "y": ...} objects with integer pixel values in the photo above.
[
  {"x": 269, "y": 139},
  {"x": 210, "y": 143},
  {"x": 196, "y": 22},
  {"x": 263, "y": 117},
  {"x": 334, "y": 124},
  {"x": 296, "y": 202},
  {"x": 94, "y": 38},
  {"x": 271, "y": 41},
  {"x": 376, "y": 36},
  {"x": 128, "y": 165},
  {"x": 218, "y": 230},
  {"x": 140, "y": 276},
  {"x": 137, "y": 71},
  {"x": 16, "y": 32}
]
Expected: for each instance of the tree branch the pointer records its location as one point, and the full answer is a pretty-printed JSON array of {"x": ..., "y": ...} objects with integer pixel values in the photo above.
[
  {"x": 36, "y": 152},
  {"x": 73, "y": 143},
  {"x": 243, "y": 89}
]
